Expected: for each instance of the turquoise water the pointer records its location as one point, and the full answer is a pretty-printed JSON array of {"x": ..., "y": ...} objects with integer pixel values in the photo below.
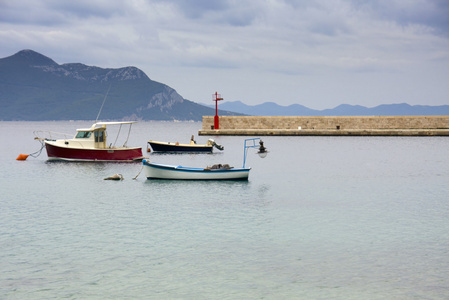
[{"x": 319, "y": 218}]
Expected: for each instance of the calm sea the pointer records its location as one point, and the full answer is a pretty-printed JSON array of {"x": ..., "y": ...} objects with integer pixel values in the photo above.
[{"x": 319, "y": 218}]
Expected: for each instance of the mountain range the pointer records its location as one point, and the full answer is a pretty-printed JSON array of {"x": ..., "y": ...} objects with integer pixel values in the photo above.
[
  {"x": 273, "y": 109},
  {"x": 33, "y": 87}
]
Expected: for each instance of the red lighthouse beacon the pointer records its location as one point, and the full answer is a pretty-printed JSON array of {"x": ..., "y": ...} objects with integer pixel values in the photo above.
[{"x": 217, "y": 97}]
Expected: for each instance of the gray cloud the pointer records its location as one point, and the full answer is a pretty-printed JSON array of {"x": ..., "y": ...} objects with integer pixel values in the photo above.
[
  {"x": 433, "y": 14},
  {"x": 55, "y": 13},
  {"x": 239, "y": 44},
  {"x": 196, "y": 9}
]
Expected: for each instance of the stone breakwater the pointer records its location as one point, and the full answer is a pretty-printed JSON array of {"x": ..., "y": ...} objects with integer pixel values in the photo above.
[{"x": 327, "y": 125}]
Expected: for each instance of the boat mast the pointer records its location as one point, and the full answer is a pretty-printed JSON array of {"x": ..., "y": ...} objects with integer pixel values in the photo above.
[{"x": 104, "y": 100}]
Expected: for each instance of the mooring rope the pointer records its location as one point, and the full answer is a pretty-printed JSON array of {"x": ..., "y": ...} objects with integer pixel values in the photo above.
[
  {"x": 38, "y": 152},
  {"x": 138, "y": 173}
]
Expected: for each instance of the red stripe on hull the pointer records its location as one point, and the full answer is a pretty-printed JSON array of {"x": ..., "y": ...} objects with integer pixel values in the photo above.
[{"x": 63, "y": 153}]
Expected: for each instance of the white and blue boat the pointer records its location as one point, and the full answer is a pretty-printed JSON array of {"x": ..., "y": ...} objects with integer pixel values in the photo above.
[{"x": 216, "y": 172}]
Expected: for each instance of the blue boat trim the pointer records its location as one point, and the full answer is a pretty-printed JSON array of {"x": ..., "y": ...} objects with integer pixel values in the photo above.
[
  {"x": 204, "y": 179},
  {"x": 194, "y": 170}
]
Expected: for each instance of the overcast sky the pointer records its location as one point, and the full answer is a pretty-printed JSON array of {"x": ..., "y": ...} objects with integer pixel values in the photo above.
[{"x": 318, "y": 53}]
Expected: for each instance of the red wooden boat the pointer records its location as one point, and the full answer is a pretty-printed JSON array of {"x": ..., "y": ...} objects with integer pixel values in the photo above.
[{"x": 90, "y": 145}]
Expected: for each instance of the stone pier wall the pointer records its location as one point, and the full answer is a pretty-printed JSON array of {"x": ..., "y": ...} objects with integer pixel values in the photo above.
[
  {"x": 329, "y": 123},
  {"x": 299, "y": 125}
]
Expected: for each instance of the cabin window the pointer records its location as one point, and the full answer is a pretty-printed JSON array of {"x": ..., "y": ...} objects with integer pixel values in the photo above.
[
  {"x": 99, "y": 136},
  {"x": 83, "y": 134}
]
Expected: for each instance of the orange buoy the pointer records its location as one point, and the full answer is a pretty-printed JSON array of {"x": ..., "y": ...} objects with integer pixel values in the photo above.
[{"x": 22, "y": 157}]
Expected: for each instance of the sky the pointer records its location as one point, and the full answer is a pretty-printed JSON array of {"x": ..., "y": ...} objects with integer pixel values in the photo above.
[{"x": 317, "y": 53}]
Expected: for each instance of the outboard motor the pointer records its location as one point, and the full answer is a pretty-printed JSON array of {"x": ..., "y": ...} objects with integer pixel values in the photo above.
[{"x": 212, "y": 142}]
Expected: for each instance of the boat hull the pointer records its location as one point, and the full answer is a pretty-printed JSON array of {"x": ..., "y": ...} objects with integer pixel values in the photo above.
[
  {"x": 161, "y": 171},
  {"x": 175, "y": 147},
  {"x": 56, "y": 152}
]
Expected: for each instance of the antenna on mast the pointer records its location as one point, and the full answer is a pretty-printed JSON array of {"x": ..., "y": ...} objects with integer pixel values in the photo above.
[{"x": 104, "y": 100}]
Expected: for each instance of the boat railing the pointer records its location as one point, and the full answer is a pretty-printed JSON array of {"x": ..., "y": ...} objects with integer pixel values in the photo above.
[{"x": 51, "y": 135}]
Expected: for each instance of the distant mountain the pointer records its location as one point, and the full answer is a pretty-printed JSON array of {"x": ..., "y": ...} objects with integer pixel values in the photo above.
[
  {"x": 273, "y": 109},
  {"x": 34, "y": 87}
]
